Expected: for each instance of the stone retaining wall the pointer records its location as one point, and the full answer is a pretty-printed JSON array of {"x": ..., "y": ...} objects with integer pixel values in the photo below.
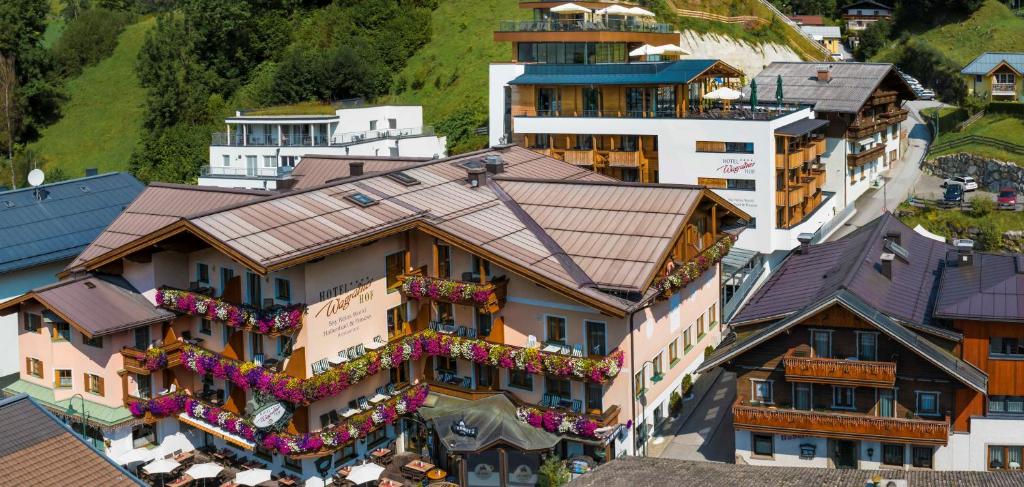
[{"x": 991, "y": 174}]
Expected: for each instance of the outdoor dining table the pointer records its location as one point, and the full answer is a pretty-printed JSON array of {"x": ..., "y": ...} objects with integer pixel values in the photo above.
[
  {"x": 184, "y": 457},
  {"x": 551, "y": 348},
  {"x": 381, "y": 453},
  {"x": 286, "y": 481},
  {"x": 389, "y": 483},
  {"x": 184, "y": 480},
  {"x": 436, "y": 474},
  {"x": 417, "y": 469}
]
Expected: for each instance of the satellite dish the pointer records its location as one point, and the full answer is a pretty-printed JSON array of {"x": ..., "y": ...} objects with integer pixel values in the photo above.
[{"x": 35, "y": 177}]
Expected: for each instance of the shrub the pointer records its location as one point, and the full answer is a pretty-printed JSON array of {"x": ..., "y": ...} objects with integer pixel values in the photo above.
[
  {"x": 981, "y": 206},
  {"x": 89, "y": 39},
  {"x": 675, "y": 403},
  {"x": 553, "y": 473},
  {"x": 1007, "y": 107},
  {"x": 989, "y": 238},
  {"x": 687, "y": 383},
  {"x": 708, "y": 350}
]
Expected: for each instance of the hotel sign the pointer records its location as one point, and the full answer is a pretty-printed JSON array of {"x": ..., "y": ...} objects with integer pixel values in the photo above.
[
  {"x": 734, "y": 166},
  {"x": 269, "y": 416}
]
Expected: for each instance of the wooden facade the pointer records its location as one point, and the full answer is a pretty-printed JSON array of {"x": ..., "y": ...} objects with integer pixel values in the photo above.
[
  {"x": 623, "y": 157},
  {"x": 800, "y": 177},
  {"x": 1005, "y": 374}
]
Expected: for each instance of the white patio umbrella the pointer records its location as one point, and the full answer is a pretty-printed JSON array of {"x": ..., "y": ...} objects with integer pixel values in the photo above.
[
  {"x": 315, "y": 481},
  {"x": 362, "y": 474},
  {"x": 614, "y": 10},
  {"x": 673, "y": 49},
  {"x": 639, "y": 12},
  {"x": 163, "y": 465},
  {"x": 135, "y": 456},
  {"x": 723, "y": 93},
  {"x": 252, "y": 477},
  {"x": 175, "y": 442},
  {"x": 645, "y": 50},
  {"x": 570, "y": 8},
  {"x": 204, "y": 471}
]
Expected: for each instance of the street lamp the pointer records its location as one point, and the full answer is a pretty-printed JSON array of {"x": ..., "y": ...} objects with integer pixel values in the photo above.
[{"x": 85, "y": 415}]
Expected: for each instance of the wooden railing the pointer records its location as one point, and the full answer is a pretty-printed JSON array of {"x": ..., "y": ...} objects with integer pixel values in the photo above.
[
  {"x": 135, "y": 359},
  {"x": 1004, "y": 89},
  {"x": 811, "y": 184},
  {"x": 579, "y": 157},
  {"x": 608, "y": 417},
  {"x": 895, "y": 116},
  {"x": 819, "y": 145},
  {"x": 839, "y": 372},
  {"x": 883, "y": 97},
  {"x": 624, "y": 159},
  {"x": 864, "y": 157},
  {"x": 978, "y": 139},
  {"x": 840, "y": 425},
  {"x": 498, "y": 287},
  {"x": 796, "y": 196}
]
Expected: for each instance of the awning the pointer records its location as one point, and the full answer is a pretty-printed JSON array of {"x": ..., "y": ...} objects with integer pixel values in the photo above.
[
  {"x": 737, "y": 259},
  {"x": 801, "y": 127},
  {"x": 101, "y": 416},
  {"x": 215, "y": 431},
  {"x": 566, "y": 8},
  {"x": 494, "y": 419}
]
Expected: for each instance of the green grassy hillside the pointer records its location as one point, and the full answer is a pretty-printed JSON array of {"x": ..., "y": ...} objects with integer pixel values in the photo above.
[{"x": 102, "y": 118}]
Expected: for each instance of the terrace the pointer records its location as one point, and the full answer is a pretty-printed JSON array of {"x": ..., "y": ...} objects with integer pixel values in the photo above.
[
  {"x": 576, "y": 25},
  {"x": 145, "y": 362},
  {"x": 857, "y": 373}
]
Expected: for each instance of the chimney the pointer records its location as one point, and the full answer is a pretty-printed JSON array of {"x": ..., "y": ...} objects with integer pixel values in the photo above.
[
  {"x": 825, "y": 73},
  {"x": 355, "y": 168},
  {"x": 494, "y": 163},
  {"x": 964, "y": 251},
  {"x": 475, "y": 174},
  {"x": 893, "y": 236},
  {"x": 91, "y": 171},
  {"x": 887, "y": 258},
  {"x": 805, "y": 242}
]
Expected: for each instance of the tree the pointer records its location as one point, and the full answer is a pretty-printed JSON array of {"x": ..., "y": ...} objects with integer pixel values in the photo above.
[
  {"x": 8, "y": 83},
  {"x": 873, "y": 39},
  {"x": 553, "y": 472}
]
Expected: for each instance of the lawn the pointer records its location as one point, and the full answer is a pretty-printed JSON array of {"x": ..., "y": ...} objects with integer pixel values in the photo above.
[
  {"x": 953, "y": 223},
  {"x": 303, "y": 108},
  {"x": 1006, "y": 128},
  {"x": 776, "y": 32},
  {"x": 102, "y": 118},
  {"x": 993, "y": 27}
]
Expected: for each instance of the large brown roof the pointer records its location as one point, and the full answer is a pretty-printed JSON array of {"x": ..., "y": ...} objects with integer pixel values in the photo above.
[
  {"x": 38, "y": 450},
  {"x": 990, "y": 289},
  {"x": 75, "y": 300},
  {"x": 315, "y": 170}
]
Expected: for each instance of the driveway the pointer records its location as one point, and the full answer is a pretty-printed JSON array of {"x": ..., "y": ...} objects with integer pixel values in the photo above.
[
  {"x": 902, "y": 178},
  {"x": 707, "y": 434}
]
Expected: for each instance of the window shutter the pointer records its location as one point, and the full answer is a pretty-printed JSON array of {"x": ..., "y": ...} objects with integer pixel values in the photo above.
[
  {"x": 85, "y": 382},
  {"x": 28, "y": 366},
  {"x": 100, "y": 386}
]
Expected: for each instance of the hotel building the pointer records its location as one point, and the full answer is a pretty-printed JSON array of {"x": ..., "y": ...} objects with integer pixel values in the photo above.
[
  {"x": 259, "y": 148},
  {"x": 455, "y": 307}
]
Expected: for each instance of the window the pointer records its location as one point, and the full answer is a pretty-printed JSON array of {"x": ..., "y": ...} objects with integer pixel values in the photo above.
[
  {"x": 292, "y": 464},
  {"x": 63, "y": 380},
  {"x": 225, "y": 334},
  {"x": 656, "y": 368},
  {"x": 142, "y": 337},
  {"x": 887, "y": 403},
  {"x": 802, "y": 396},
  {"x": 256, "y": 343},
  {"x": 253, "y": 289},
  {"x": 639, "y": 385},
  {"x": 446, "y": 364},
  {"x": 867, "y": 346},
  {"x": 282, "y": 290},
  {"x": 269, "y": 161},
  {"x": 520, "y": 379},
  {"x": 555, "y": 327},
  {"x": 1005, "y": 347},
  {"x": 346, "y": 453},
  {"x": 94, "y": 384},
  {"x": 673, "y": 352},
  {"x": 892, "y": 455},
  {"x": 558, "y": 387},
  {"x": 761, "y": 391},
  {"x": 1006, "y": 405},
  {"x": 205, "y": 326},
  {"x": 821, "y": 342},
  {"x": 225, "y": 160},
  {"x": 594, "y": 393},
  {"x": 444, "y": 261},
  {"x": 444, "y": 312},
  {"x": 396, "y": 320},
  {"x": 484, "y": 320},
  {"x": 226, "y": 274},
  {"x": 1004, "y": 78},
  {"x": 700, "y": 327},
  {"x": 713, "y": 315},
  {"x": 375, "y": 437},
  {"x": 927, "y": 403},
  {"x": 596, "y": 343},
  {"x": 399, "y": 375},
  {"x": 373, "y": 125},
  {"x": 33, "y": 322},
  {"x": 61, "y": 331},
  {"x": 284, "y": 346},
  {"x": 481, "y": 268},
  {"x": 202, "y": 273},
  {"x": 726, "y": 147},
  {"x": 763, "y": 445},
  {"x": 923, "y": 456},
  {"x": 92, "y": 342},
  {"x": 842, "y": 397},
  {"x": 1005, "y": 457},
  {"x": 328, "y": 419},
  {"x": 395, "y": 266},
  {"x": 687, "y": 344},
  {"x": 144, "y": 384},
  {"x": 34, "y": 367}
]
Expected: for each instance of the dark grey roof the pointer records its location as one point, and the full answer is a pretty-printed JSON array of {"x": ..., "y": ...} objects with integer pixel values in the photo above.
[
  {"x": 959, "y": 369},
  {"x": 645, "y": 471},
  {"x": 801, "y": 127},
  {"x": 990, "y": 289},
  {"x": 495, "y": 420},
  {"x": 59, "y": 226},
  {"x": 867, "y": 3},
  {"x": 673, "y": 72},
  {"x": 849, "y": 88},
  {"x": 38, "y": 449},
  {"x": 853, "y": 263}
]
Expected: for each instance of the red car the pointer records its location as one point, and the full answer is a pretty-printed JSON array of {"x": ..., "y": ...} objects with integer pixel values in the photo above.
[{"x": 1007, "y": 199}]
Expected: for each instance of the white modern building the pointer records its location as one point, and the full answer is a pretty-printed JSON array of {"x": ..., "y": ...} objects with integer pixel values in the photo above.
[{"x": 259, "y": 148}]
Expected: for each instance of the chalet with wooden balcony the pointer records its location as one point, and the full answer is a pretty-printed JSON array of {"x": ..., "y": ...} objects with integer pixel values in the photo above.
[
  {"x": 840, "y": 363},
  {"x": 863, "y": 105}
]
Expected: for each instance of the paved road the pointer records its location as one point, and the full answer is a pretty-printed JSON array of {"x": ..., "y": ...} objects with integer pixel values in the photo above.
[
  {"x": 901, "y": 179},
  {"x": 707, "y": 434}
]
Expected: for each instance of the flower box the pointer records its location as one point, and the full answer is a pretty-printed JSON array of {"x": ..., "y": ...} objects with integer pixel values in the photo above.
[
  {"x": 558, "y": 422},
  {"x": 156, "y": 359},
  {"x": 692, "y": 269},
  {"x": 275, "y": 321},
  {"x": 489, "y": 296}
]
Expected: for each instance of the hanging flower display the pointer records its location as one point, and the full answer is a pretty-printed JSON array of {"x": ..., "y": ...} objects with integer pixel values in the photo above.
[
  {"x": 325, "y": 440},
  {"x": 457, "y": 292},
  {"x": 558, "y": 422},
  {"x": 156, "y": 359},
  {"x": 284, "y": 320},
  {"x": 692, "y": 269}
]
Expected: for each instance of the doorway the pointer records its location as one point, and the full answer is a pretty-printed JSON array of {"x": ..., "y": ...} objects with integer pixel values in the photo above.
[{"x": 844, "y": 454}]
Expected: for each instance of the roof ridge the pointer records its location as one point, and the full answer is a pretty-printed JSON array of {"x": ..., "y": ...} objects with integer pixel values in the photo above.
[
  {"x": 210, "y": 189},
  {"x": 68, "y": 181},
  {"x": 590, "y": 182}
]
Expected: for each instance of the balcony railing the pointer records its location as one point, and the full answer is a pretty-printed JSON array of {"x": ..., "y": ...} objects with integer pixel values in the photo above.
[
  {"x": 579, "y": 157},
  {"x": 863, "y": 157},
  {"x": 693, "y": 111},
  {"x": 245, "y": 172},
  {"x": 796, "y": 195},
  {"x": 1004, "y": 88},
  {"x": 840, "y": 425},
  {"x": 488, "y": 295},
  {"x": 145, "y": 361},
  {"x": 624, "y": 158},
  {"x": 883, "y": 97},
  {"x": 583, "y": 26},
  {"x": 839, "y": 372},
  {"x": 272, "y": 140},
  {"x": 359, "y": 137}
]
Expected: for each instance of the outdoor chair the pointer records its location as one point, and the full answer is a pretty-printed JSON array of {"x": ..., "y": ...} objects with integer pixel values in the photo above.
[
  {"x": 460, "y": 331},
  {"x": 577, "y": 350},
  {"x": 360, "y": 349},
  {"x": 258, "y": 359},
  {"x": 378, "y": 339},
  {"x": 471, "y": 332},
  {"x": 467, "y": 383},
  {"x": 363, "y": 403},
  {"x": 343, "y": 355},
  {"x": 391, "y": 389},
  {"x": 545, "y": 401},
  {"x": 531, "y": 341},
  {"x": 577, "y": 406}
]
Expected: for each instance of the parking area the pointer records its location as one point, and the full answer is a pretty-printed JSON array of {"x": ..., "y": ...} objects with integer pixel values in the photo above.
[{"x": 930, "y": 187}]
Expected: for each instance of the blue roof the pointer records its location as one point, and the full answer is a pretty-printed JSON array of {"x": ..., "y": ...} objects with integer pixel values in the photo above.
[
  {"x": 664, "y": 73},
  {"x": 70, "y": 215},
  {"x": 984, "y": 63}
]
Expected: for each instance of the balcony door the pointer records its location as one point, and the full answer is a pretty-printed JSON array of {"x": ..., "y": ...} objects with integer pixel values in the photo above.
[
  {"x": 596, "y": 338},
  {"x": 821, "y": 342},
  {"x": 844, "y": 453},
  {"x": 591, "y": 102},
  {"x": 547, "y": 101}
]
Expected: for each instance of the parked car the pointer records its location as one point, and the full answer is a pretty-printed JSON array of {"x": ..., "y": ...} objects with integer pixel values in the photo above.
[
  {"x": 968, "y": 183},
  {"x": 837, "y": 56},
  {"x": 1007, "y": 199},
  {"x": 926, "y": 95},
  {"x": 953, "y": 196}
]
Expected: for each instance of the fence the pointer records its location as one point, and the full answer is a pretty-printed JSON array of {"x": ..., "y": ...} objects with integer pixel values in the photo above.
[
  {"x": 978, "y": 139},
  {"x": 739, "y": 19}
]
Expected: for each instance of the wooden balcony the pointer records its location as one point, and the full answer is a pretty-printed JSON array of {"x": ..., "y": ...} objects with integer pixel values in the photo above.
[
  {"x": 895, "y": 116},
  {"x": 810, "y": 184},
  {"x": 839, "y": 372},
  {"x": 810, "y": 152},
  {"x": 819, "y": 145},
  {"x": 840, "y": 425},
  {"x": 608, "y": 417},
  {"x": 864, "y": 157},
  {"x": 497, "y": 285},
  {"x": 789, "y": 161},
  {"x": 883, "y": 97},
  {"x": 135, "y": 359},
  {"x": 579, "y": 157},
  {"x": 624, "y": 159},
  {"x": 795, "y": 193},
  {"x": 864, "y": 127}
]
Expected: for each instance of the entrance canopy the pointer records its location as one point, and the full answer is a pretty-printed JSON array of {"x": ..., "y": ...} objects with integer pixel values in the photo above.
[{"x": 493, "y": 419}]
